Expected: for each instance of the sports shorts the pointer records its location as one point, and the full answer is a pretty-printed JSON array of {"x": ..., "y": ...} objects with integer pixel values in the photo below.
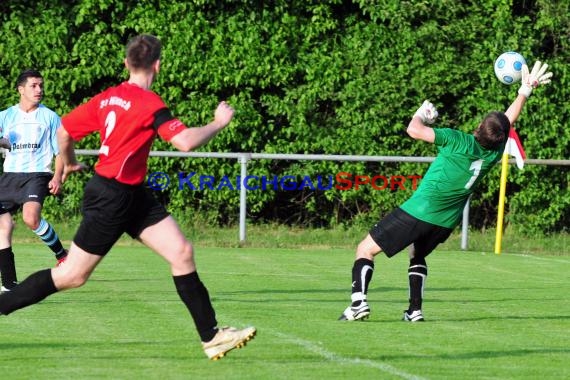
[
  {"x": 19, "y": 188},
  {"x": 398, "y": 230},
  {"x": 111, "y": 208}
]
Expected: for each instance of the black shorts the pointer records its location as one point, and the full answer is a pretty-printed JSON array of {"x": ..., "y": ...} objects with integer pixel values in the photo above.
[
  {"x": 111, "y": 208},
  {"x": 19, "y": 188},
  {"x": 399, "y": 229}
]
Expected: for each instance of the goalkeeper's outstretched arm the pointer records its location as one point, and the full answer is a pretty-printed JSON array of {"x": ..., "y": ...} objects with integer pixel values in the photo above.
[
  {"x": 515, "y": 108},
  {"x": 529, "y": 81},
  {"x": 417, "y": 128}
]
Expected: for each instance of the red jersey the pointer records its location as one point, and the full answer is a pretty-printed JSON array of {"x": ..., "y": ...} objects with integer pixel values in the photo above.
[{"x": 128, "y": 119}]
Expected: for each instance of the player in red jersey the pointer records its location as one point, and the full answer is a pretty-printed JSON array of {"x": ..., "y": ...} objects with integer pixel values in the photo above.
[{"x": 128, "y": 118}]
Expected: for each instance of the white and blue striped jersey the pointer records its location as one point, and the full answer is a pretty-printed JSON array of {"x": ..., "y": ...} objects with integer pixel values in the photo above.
[{"x": 32, "y": 137}]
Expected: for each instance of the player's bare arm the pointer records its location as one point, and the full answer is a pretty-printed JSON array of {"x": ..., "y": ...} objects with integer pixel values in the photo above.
[
  {"x": 55, "y": 183},
  {"x": 529, "y": 81},
  {"x": 515, "y": 108},
  {"x": 417, "y": 128},
  {"x": 67, "y": 154},
  {"x": 192, "y": 138}
]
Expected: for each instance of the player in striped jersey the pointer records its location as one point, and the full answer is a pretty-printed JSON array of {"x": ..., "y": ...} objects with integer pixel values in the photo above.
[{"x": 28, "y": 130}]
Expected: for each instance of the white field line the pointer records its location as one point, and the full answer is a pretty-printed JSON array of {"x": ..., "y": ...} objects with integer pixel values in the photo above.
[
  {"x": 551, "y": 259},
  {"x": 330, "y": 356}
]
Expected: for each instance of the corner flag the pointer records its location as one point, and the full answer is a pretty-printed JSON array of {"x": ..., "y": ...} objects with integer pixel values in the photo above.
[{"x": 514, "y": 148}]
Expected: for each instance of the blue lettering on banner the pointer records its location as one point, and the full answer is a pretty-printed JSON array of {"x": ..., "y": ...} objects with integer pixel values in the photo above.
[
  {"x": 225, "y": 182},
  {"x": 160, "y": 181},
  {"x": 184, "y": 179}
]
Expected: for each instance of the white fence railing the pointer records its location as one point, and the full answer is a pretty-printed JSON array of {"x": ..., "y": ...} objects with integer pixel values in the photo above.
[{"x": 244, "y": 158}]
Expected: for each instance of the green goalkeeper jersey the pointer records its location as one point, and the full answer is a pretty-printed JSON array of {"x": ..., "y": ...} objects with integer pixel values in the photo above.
[{"x": 459, "y": 166}]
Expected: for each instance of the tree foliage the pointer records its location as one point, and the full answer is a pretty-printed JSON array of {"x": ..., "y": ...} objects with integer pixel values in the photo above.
[{"x": 330, "y": 77}]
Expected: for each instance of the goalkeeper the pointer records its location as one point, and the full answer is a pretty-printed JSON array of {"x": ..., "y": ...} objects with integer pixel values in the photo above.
[{"x": 428, "y": 217}]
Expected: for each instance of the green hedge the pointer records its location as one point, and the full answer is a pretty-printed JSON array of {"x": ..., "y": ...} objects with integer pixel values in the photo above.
[{"x": 331, "y": 77}]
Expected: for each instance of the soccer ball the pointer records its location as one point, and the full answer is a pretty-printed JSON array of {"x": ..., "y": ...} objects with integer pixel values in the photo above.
[{"x": 508, "y": 67}]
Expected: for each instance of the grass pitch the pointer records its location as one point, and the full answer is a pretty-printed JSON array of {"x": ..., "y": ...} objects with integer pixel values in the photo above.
[{"x": 488, "y": 317}]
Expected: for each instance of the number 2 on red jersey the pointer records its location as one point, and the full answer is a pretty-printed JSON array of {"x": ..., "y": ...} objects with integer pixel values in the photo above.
[{"x": 110, "y": 122}]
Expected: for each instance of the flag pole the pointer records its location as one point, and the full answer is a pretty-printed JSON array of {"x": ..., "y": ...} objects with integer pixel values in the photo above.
[{"x": 501, "y": 213}]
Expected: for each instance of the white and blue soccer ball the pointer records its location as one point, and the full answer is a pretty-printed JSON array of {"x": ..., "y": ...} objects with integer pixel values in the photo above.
[{"x": 508, "y": 67}]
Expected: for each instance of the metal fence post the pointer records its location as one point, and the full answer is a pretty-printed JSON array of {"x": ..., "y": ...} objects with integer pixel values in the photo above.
[
  {"x": 465, "y": 224},
  {"x": 243, "y": 159}
]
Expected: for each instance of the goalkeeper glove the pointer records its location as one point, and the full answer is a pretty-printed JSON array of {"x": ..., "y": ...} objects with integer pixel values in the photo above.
[
  {"x": 536, "y": 77},
  {"x": 427, "y": 112}
]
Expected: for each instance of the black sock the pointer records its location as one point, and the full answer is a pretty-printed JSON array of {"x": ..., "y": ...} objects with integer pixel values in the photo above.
[
  {"x": 8, "y": 268},
  {"x": 60, "y": 253},
  {"x": 196, "y": 298},
  {"x": 417, "y": 274},
  {"x": 31, "y": 291},
  {"x": 361, "y": 276}
]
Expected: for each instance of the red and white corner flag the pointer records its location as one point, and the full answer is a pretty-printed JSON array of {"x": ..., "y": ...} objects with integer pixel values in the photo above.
[{"x": 514, "y": 148}]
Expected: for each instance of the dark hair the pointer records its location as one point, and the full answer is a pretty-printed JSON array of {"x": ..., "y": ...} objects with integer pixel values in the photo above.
[
  {"x": 493, "y": 131},
  {"x": 142, "y": 51},
  {"x": 24, "y": 75}
]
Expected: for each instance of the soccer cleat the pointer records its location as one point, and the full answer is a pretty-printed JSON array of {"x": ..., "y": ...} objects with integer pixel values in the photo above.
[
  {"x": 4, "y": 289},
  {"x": 226, "y": 339},
  {"x": 356, "y": 313},
  {"x": 414, "y": 316},
  {"x": 61, "y": 261}
]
